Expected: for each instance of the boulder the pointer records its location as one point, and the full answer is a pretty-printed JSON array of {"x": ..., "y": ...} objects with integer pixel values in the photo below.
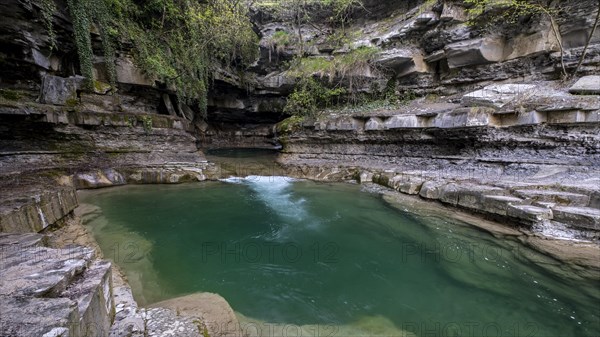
[
  {"x": 210, "y": 310},
  {"x": 395, "y": 58},
  {"x": 431, "y": 189},
  {"x": 587, "y": 85},
  {"x": 365, "y": 177},
  {"x": 60, "y": 90},
  {"x": 277, "y": 82},
  {"x": 426, "y": 18},
  {"x": 475, "y": 52}
]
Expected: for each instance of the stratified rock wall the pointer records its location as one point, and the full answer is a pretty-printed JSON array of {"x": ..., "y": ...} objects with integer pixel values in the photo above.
[{"x": 527, "y": 154}]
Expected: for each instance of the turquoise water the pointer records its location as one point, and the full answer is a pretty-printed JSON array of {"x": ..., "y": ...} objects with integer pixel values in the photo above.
[{"x": 332, "y": 260}]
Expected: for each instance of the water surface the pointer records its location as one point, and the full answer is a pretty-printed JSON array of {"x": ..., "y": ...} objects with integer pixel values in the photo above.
[{"x": 330, "y": 259}]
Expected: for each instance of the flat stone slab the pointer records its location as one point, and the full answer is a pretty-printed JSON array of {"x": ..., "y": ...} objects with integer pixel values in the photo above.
[
  {"x": 566, "y": 103},
  {"x": 53, "y": 292},
  {"x": 31, "y": 316},
  {"x": 529, "y": 213},
  {"x": 558, "y": 197},
  {"x": 497, "y": 95},
  {"x": 499, "y": 204},
  {"x": 21, "y": 241},
  {"x": 587, "y": 85},
  {"x": 41, "y": 271},
  {"x": 468, "y": 195},
  {"x": 580, "y": 217},
  {"x": 35, "y": 213},
  {"x": 463, "y": 117}
]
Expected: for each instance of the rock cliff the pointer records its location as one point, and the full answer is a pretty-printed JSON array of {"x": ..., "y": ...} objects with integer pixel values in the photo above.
[{"x": 486, "y": 124}]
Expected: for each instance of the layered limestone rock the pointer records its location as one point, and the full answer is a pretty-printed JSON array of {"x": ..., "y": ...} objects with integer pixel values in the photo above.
[
  {"x": 525, "y": 153},
  {"x": 53, "y": 292},
  {"x": 34, "y": 209},
  {"x": 64, "y": 141}
]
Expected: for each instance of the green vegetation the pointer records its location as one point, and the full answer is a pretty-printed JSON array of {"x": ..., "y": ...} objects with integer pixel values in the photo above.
[
  {"x": 310, "y": 96},
  {"x": 301, "y": 12},
  {"x": 177, "y": 42},
  {"x": 146, "y": 122},
  {"x": 84, "y": 14},
  {"x": 278, "y": 41},
  {"x": 290, "y": 124},
  {"x": 313, "y": 93},
  {"x": 10, "y": 95},
  {"x": 72, "y": 102},
  {"x": 48, "y": 7},
  {"x": 340, "y": 66}
]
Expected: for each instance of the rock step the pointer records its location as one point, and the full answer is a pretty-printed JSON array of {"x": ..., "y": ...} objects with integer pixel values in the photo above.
[
  {"x": 33, "y": 316},
  {"x": 528, "y": 214},
  {"x": 41, "y": 271},
  {"x": 52, "y": 292},
  {"x": 500, "y": 204},
  {"x": 553, "y": 196},
  {"x": 579, "y": 217},
  {"x": 21, "y": 241},
  {"x": 92, "y": 292}
]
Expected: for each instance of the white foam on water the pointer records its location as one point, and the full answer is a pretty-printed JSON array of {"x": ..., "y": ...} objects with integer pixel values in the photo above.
[
  {"x": 275, "y": 193},
  {"x": 233, "y": 180}
]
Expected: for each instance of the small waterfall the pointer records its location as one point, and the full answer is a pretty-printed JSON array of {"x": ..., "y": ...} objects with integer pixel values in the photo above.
[{"x": 275, "y": 193}]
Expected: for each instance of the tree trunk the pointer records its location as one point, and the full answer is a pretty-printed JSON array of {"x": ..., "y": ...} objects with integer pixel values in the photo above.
[{"x": 587, "y": 43}]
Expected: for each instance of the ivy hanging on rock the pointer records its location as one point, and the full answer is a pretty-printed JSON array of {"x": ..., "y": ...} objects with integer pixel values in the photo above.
[{"x": 178, "y": 42}]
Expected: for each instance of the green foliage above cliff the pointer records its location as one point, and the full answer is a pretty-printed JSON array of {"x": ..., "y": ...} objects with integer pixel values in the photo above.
[
  {"x": 337, "y": 13},
  {"x": 48, "y": 8},
  {"x": 179, "y": 42},
  {"x": 323, "y": 81},
  {"x": 342, "y": 66},
  {"x": 504, "y": 13},
  {"x": 311, "y": 96},
  {"x": 86, "y": 13}
]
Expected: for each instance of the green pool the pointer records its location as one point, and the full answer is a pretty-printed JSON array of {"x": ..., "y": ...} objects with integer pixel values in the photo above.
[{"x": 333, "y": 260}]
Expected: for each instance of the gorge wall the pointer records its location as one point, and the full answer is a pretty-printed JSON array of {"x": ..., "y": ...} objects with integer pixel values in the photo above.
[{"x": 484, "y": 123}]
